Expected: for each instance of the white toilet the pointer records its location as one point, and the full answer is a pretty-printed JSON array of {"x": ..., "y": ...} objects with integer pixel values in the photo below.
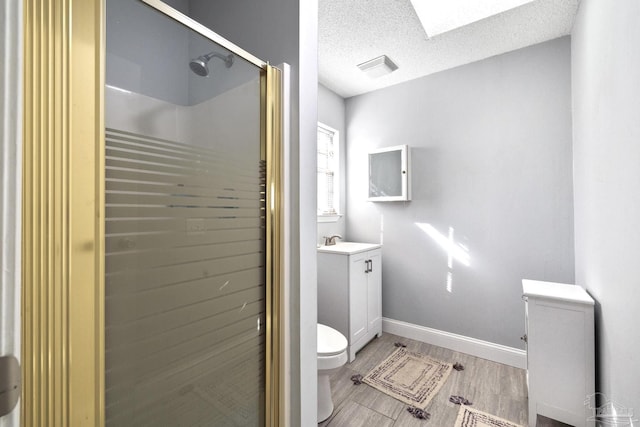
[{"x": 332, "y": 354}]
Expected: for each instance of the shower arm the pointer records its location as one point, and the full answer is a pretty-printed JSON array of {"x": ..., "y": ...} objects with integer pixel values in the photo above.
[{"x": 228, "y": 59}]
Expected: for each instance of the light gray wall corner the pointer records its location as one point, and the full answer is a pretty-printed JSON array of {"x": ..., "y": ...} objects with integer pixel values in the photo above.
[
  {"x": 285, "y": 31},
  {"x": 11, "y": 58},
  {"x": 491, "y": 170},
  {"x": 606, "y": 130},
  {"x": 331, "y": 112}
]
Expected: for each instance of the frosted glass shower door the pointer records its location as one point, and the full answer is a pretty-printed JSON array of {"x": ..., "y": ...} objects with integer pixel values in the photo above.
[{"x": 185, "y": 228}]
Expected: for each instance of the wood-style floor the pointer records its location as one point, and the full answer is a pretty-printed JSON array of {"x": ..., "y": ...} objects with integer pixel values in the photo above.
[{"x": 491, "y": 387}]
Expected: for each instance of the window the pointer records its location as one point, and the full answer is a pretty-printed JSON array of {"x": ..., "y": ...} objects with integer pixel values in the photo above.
[{"x": 328, "y": 168}]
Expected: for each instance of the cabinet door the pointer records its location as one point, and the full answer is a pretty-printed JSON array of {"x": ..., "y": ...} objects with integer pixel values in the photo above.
[
  {"x": 357, "y": 296},
  {"x": 374, "y": 291}
]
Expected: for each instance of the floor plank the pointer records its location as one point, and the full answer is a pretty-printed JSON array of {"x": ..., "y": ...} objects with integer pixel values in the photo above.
[
  {"x": 353, "y": 414},
  {"x": 492, "y": 387}
]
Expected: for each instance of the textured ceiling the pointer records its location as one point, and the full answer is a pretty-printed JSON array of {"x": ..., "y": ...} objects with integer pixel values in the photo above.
[{"x": 355, "y": 31}]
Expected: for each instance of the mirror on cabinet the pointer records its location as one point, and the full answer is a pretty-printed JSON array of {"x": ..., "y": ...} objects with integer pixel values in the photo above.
[{"x": 389, "y": 174}]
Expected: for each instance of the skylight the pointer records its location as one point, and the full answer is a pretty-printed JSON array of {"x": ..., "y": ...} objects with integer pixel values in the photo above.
[{"x": 440, "y": 16}]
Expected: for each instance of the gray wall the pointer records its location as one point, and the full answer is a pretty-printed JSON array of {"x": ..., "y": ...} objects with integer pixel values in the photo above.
[
  {"x": 491, "y": 159},
  {"x": 286, "y": 31},
  {"x": 147, "y": 52},
  {"x": 331, "y": 112},
  {"x": 606, "y": 128}
]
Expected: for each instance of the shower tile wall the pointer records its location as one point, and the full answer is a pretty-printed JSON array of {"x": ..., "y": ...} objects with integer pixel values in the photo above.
[{"x": 197, "y": 124}]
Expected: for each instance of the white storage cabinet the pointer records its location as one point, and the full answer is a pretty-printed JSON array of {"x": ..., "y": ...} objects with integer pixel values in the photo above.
[
  {"x": 560, "y": 352},
  {"x": 350, "y": 291}
]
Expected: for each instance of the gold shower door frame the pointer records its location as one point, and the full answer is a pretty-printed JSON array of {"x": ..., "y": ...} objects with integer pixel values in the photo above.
[{"x": 63, "y": 213}]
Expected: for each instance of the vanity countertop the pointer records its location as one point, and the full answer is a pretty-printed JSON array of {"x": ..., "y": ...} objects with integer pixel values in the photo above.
[
  {"x": 348, "y": 248},
  {"x": 557, "y": 291}
]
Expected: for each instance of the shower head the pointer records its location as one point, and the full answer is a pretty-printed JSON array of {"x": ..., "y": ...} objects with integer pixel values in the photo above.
[{"x": 200, "y": 65}]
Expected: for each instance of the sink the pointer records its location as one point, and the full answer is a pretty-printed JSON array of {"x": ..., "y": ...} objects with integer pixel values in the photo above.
[{"x": 348, "y": 247}]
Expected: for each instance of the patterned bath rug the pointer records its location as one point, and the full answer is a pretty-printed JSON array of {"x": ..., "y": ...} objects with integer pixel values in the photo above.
[
  {"x": 469, "y": 417},
  {"x": 412, "y": 378}
]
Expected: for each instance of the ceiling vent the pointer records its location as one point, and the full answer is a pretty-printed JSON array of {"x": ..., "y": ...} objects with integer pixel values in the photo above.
[{"x": 378, "y": 67}]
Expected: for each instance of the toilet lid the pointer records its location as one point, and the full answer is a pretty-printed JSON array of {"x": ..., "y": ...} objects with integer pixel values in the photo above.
[{"x": 330, "y": 341}]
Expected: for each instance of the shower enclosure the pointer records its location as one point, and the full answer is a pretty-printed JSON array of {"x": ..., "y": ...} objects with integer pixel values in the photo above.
[{"x": 191, "y": 225}]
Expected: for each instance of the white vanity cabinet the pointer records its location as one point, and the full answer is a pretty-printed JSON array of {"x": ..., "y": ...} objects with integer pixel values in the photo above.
[
  {"x": 350, "y": 291},
  {"x": 560, "y": 352}
]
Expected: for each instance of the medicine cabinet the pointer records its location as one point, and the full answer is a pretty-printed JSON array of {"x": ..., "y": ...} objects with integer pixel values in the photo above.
[{"x": 389, "y": 174}]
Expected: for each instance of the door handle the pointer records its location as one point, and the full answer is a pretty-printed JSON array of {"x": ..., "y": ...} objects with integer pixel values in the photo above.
[{"x": 369, "y": 266}]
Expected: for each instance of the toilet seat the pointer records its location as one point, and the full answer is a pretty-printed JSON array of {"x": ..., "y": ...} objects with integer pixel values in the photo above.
[{"x": 330, "y": 341}]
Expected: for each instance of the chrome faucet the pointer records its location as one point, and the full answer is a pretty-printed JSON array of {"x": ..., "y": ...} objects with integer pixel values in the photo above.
[{"x": 331, "y": 240}]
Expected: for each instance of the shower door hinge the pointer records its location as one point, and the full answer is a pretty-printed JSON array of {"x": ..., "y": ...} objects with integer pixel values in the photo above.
[{"x": 10, "y": 384}]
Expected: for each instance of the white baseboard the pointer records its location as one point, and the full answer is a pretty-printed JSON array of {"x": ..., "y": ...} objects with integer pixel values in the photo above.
[{"x": 475, "y": 347}]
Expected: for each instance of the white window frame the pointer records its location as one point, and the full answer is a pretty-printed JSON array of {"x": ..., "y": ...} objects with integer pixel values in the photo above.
[{"x": 327, "y": 216}]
